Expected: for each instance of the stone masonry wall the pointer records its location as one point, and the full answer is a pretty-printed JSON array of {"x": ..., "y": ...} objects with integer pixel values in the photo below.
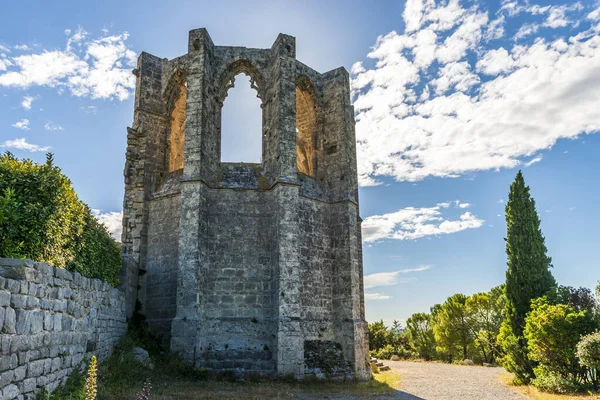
[
  {"x": 159, "y": 283},
  {"x": 51, "y": 321}
]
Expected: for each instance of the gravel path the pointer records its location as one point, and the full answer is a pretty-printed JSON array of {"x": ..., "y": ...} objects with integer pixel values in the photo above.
[{"x": 434, "y": 381}]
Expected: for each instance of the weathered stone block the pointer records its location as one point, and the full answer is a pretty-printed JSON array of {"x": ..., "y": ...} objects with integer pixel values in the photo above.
[
  {"x": 20, "y": 373},
  {"x": 4, "y": 298},
  {"x": 18, "y": 301},
  {"x": 6, "y": 377},
  {"x": 35, "y": 368},
  {"x": 10, "y": 321},
  {"x": 29, "y": 385},
  {"x": 10, "y": 392}
]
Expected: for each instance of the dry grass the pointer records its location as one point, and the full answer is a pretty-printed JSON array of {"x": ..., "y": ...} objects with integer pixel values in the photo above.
[
  {"x": 535, "y": 394},
  {"x": 384, "y": 383}
]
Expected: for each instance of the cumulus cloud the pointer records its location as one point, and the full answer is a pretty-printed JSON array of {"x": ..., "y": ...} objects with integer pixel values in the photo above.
[
  {"x": 376, "y": 296},
  {"x": 112, "y": 221},
  {"x": 96, "y": 68},
  {"x": 27, "y": 101},
  {"x": 454, "y": 94},
  {"x": 3, "y": 64},
  {"x": 413, "y": 223},
  {"x": 21, "y": 144},
  {"x": 51, "y": 126},
  {"x": 22, "y": 124},
  {"x": 391, "y": 278}
]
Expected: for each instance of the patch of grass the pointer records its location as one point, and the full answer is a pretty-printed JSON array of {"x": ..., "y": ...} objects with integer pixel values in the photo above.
[
  {"x": 532, "y": 392},
  {"x": 385, "y": 383},
  {"x": 121, "y": 377},
  {"x": 73, "y": 389}
]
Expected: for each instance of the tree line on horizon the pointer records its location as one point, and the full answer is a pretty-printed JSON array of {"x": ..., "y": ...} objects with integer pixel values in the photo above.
[{"x": 544, "y": 333}]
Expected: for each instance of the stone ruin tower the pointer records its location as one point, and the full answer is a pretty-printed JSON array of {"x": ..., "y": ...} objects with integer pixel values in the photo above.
[{"x": 251, "y": 268}]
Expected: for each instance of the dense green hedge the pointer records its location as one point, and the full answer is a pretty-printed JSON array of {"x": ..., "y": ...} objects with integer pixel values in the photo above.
[{"x": 41, "y": 218}]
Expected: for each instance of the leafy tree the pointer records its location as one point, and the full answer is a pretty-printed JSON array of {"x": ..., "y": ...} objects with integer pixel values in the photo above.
[
  {"x": 578, "y": 298},
  {"x": 379, "y": 335},
  {"x": 552, "y": 333},
  {"x": 419, "y": 328},
  {"x": 384, "y": 342},
  {"x": 451, "y": 329},
  {"x": 528, "y": 275},
  {"x": 484, "y": 316}
]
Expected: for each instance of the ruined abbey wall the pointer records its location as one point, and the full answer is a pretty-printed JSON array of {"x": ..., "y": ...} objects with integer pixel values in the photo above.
[{"x": 251, "y": 268}]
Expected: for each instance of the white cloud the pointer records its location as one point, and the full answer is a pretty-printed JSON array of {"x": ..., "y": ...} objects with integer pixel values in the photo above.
[
  {"x": 533, "y": 160},
  {"x": 113, "y": 222},
  {"x": 22, "y": 124},
  {"x": 440, "y": 102},
  {"x": 495, "y": 62},
  {"x": 4, "y": 64},
  {"x": 526, "y": 30},
  {"x": 456, "y": 76},
  {"x": 391, "y": 278},
  {"x": 27, "y": 101},
  {"x": 495, "y": 29},
  {"x": 413, "y": 223},
  {"x": 376, "y": 296},
  {"x": 557, "y": 15},
  {"x": 98, "y": 68},
  {"x": 22, "y": 47},
  {"x": 4, "y": 49},
  {"x": 21, "y": 144},
  {"x": 51, "y": 126},
  {"x": 594, "y": 15}
]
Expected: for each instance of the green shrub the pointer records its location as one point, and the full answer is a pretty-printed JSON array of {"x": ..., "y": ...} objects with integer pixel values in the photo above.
[
  {"x": 588, "y": 353},
  {"x": 41, "y": 218},
  {"x": 387, "y": 351},
  {"x": 552, "y": 333},
  {"x": 551, "y": 381},
  {"x": 385, "y": 342}
]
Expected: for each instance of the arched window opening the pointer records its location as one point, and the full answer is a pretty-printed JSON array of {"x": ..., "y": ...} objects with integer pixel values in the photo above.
[
  {"x": 177, "y": 135},
  {"x": 306, "y": 126},
  {"x": 241, "y": 122}
]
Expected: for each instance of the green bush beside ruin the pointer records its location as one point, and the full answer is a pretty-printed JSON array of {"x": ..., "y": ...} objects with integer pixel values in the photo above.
[{"x": 42, "y": 218}]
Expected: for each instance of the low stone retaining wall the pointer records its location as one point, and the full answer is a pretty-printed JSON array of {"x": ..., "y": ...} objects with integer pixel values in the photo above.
[{"x": 51, "y": 321}]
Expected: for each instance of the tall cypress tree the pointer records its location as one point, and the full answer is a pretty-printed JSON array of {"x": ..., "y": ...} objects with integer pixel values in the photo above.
[{"x": 528, "y": 275}]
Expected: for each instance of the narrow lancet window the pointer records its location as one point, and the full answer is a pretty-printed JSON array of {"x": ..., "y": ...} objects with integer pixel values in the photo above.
[
  {"x": 306, "y": 126},
  {"x": 177, "y": 135}
]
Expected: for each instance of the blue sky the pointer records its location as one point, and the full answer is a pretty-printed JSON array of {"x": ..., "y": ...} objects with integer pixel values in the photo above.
[{"x": 451, "y": 99}]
